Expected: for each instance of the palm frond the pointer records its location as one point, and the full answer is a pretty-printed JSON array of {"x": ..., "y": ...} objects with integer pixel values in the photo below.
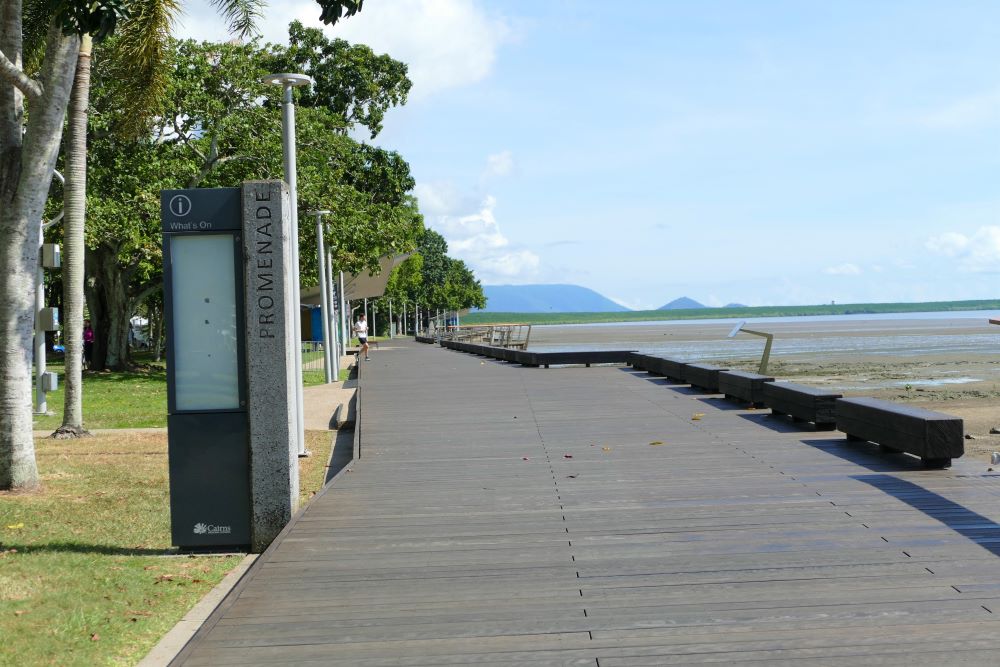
[
  {"x": 242, "y": 15},
  {"x": 36, "y": 16},
  {"x": 139, "y": 56}
]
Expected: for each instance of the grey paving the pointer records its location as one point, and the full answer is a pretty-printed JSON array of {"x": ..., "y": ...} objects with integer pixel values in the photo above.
[{"x": 503, "y": 515}]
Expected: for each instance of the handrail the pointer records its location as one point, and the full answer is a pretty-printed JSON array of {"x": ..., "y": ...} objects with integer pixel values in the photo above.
[{"x": 511, "y": 336}]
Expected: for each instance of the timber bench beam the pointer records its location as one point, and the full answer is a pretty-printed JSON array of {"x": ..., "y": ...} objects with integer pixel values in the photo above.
[
  {"x": 802, "y": 403},
  {"x": 743, "y": 386},
  {"x": 668, "y": 368},
  {"x": 935, "y": 437},
  {"x": 584, "y": 357},
  {"x": 705, "y": 376}
]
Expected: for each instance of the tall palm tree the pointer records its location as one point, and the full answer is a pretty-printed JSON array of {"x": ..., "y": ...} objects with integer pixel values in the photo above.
[
  {"x": 29, "y": 146},
  {"x": 28, "y": 149},
  {"x": 74, "y": 208},
  {"x": 139, "y": 54}
]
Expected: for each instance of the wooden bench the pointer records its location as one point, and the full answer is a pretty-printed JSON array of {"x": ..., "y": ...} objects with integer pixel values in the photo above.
[
  {"x": 802, "y": 403},
  {"x": 669, "y": 368},
  {"x": 705, "y": 376},
  {"x": 639, "y": 361},
  {"x": 584, "y": 357},
  {"x": 747, "y": 387},
  {"x": 935, "y": 437}
]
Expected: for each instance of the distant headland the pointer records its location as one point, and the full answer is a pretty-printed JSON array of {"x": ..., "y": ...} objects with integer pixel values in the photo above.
[{"x": 733, "y": 311}]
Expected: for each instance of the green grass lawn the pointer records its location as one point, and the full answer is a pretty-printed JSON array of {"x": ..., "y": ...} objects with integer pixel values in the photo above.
[
  {"x": 87, "y": 574},
  {"x": 130, "y": 399},
  {"x": 113, "y": 399}
]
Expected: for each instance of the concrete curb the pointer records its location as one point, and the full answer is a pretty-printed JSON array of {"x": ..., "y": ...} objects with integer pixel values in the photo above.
[
  {"x": 172, "y": 642},
  {"x": 344, "y": 415}
]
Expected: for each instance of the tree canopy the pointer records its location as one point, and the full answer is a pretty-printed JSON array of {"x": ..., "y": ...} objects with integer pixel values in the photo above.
[
  {"x": 435, "y": 281},
  {"x": 217, "y": 125}
]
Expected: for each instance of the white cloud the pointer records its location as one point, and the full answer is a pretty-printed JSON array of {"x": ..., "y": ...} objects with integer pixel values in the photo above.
[
  {"x": 979, "y": 253},
  {"x": 844, "y": 270},
  {"x": 446, "y": 43},
  {"x": 499, "y": 164},
  {"x": 474, "y": 236},
  {"x": 971, "y": 111}
]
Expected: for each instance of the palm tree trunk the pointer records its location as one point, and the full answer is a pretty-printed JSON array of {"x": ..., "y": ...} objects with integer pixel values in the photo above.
[
  {"x": 73, "y": 248},
  {"x": 157, "y": 334},
  {"x": 26, "y": 166}
]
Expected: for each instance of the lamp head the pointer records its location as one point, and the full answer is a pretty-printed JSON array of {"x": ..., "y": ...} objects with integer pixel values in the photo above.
[
  {"x": 288, "y": 79},
  {"x": 322, "y": 212},
  {"x": 736, "y": 329}
]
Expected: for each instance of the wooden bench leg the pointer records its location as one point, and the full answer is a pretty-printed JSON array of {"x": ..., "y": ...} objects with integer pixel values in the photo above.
[
  {"x": 854, "y": 438},
  {"x": 936, "y": 464},
  {"x": 826, "y": 427}
]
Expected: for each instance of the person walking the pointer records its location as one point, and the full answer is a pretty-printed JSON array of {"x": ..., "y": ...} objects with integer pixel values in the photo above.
[
  {"x": 88, "y": 344},
  {"x": 361, "y": 330}
]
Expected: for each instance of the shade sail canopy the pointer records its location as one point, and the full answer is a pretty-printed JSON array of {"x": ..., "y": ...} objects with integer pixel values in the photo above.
[{"x": 360, "y": 285}]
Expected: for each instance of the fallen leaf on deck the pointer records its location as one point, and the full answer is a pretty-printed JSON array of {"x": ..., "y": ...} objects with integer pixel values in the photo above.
[
  {"x": 570, "y": 476},
  {"x": 696, "y": 416},
  {"x": 606, "y": 449},
  {"x": 524, "y": 458},
  {"x": 655, "y": 443},
  {"x": 567, "y": 456}
]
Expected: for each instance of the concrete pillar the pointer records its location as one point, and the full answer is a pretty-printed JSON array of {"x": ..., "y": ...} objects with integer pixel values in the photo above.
[{"x": 270, "y": 348}]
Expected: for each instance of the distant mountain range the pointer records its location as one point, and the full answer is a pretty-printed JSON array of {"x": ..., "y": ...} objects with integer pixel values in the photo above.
[
  {"x": 565, "y": 299},
  {"x": 683, "y": 302},
  {"x": 547, "y": 299}
]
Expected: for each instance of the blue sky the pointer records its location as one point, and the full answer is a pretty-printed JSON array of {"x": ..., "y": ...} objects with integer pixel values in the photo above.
[{"x": 760, "y": 152}]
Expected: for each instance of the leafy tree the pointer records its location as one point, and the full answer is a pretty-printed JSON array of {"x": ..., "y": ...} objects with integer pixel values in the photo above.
[
  {"x": 40, "y": 79},
  {"x": 213, "y": 130},
  {"x": 432, "y": 280},
  {"x": 351, "y": 81},
  {"x": 139, "y": 54},
  {"x": 462, "y": 290}
]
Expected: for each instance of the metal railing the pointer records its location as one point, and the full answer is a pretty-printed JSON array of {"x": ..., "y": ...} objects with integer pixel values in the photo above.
[
  {"x": 312, "y": 355},
  {"x": 510, "y": 336}
]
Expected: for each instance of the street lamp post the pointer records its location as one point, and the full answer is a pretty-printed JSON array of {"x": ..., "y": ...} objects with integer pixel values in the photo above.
[
  {"x": 287, "y": 82},
  {"x": 767, "y": 346},
  {"x": 324, "y": 301},
  {"x": 333, "y": 308},
  {"x": 344, "y": 316}
]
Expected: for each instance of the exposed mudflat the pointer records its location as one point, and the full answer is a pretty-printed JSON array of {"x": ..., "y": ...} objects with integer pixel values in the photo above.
[{"x": 946, "y": 364}]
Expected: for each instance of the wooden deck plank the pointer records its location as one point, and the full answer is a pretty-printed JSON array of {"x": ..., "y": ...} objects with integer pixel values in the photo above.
[{"x": 508, "y": 515}]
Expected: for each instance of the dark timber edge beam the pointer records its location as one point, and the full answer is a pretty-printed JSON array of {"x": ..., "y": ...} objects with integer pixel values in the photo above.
[
  {"x": 705, "y": 376},
  {"x": 935, "y": 437},
  {"x": 747, "y": 387},
  {"x": 803, "y": 403}
]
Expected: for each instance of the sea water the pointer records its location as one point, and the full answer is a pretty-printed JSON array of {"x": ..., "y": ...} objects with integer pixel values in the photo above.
[{"x": 888, "y": 335}]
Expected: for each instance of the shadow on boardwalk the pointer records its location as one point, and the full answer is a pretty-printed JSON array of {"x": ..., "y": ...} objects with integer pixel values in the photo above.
[{"x": 978, "y": 528}]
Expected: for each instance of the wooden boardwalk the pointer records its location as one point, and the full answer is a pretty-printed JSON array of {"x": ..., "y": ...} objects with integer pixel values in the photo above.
[{"x": 503, "y": 515}]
